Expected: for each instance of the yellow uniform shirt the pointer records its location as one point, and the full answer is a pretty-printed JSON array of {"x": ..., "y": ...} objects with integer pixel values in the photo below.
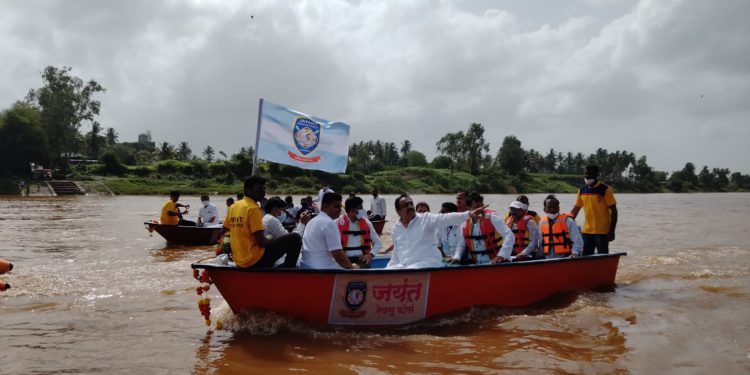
[
  {"x": 243, "y": 219},
  {"x": 595, "y": 202},
  {"x": 165, "y": 219}
]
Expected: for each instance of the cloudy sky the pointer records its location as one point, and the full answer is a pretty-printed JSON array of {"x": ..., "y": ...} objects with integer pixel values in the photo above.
[{"x": 669, "y": 79}]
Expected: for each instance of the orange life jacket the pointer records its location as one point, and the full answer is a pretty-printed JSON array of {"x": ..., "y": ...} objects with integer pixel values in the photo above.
[
  {"x": 521, "y": 232},
  {"x": 492, "y": 238},
  {"x": 364, "y": 231},
  {"x": 556, "y": 236}
]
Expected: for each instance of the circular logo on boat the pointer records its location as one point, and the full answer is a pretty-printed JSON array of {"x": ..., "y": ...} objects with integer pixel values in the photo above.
[{"x": 356, "y": 292}]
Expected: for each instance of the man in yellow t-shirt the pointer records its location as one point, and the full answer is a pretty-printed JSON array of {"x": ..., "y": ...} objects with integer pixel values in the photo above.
[
  {"x": 600, "y": 208},
  {"x": 244, "y": 222},
  {"x": 170, "y": 211}
]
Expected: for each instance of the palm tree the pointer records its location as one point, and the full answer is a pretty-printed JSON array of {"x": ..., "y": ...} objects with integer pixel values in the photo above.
[
  {"x": 208, "y": 153},
  {"x": 111, "y": 137},
  {"x": 184, "y": 152},
  {"x": 94, "y": 140},
  {"x": 165, "y": 151}
]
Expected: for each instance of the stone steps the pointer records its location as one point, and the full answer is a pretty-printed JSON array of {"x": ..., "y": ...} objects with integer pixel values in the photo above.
[{"x": 65, "y": 187}]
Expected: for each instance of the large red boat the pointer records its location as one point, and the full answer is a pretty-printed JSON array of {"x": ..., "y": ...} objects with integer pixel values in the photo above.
[
  {"x": 186, "y": 235},
  {"x": 395, "y": 297}
]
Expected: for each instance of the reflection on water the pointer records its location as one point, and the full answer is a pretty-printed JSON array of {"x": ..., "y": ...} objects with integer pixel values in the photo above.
[{"x": 94, "y": 293}]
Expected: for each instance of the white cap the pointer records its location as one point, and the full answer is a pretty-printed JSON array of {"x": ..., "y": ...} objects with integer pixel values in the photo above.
[{"x": 519, "y": 205}]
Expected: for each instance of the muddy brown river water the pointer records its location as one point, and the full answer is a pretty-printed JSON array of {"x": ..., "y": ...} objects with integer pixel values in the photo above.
[{"x": 94, "y": 293}]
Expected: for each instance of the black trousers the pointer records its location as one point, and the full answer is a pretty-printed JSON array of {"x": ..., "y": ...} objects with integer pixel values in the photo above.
[
  {"x": 289, "y": 245},
  {"x": 598, "y": 241}
]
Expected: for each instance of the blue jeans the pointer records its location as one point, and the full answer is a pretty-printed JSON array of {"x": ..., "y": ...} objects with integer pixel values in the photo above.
[{"x": 598, "y": 241}]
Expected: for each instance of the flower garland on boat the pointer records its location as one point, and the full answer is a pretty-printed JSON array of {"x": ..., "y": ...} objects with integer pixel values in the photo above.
[{"x": 204, "y": 303}]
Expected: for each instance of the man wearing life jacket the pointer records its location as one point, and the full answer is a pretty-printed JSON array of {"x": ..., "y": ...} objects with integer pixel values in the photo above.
[
  {"x": 525, "y": 200},
  {"x": 599, "y": 206},
  {"x": 358, "y": 237},
  {"x": 559, "y": 234},
  {"x": 524, "y": 229},
  {"x": 486, "y": 239}
]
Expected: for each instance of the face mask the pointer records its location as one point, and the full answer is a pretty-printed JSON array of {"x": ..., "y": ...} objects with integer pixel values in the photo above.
[
  {"x": 205, "y": 203},
  {"x": 282, "y": 216},
  {"x": 361, "y": 214},
  {"x": 552, "y": 216},
  {"x": 589, "y": 181}
]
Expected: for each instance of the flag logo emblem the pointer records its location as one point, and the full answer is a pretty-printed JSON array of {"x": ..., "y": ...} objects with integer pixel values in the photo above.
[{"x": 306, "y": 135}]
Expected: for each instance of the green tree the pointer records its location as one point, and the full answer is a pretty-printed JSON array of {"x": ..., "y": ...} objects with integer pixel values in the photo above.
[
  {"x": 451, "y": 146},
  {"x": 94, "y": 141},
  {"x": 184, "y": 152},
  {"x": 22, "y": 140},
  {"x": 165, "y": 151},
  {"x": 66, "y": 102},
  {"x": 415, "y": 159},
  {"x": 475, "y": 147},
  {"x": 208, "y": 153},
  {"x": 111, "y": 137},
  {"x": 510, "y": 156}
]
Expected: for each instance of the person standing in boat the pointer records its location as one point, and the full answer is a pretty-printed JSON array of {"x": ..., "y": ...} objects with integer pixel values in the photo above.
[
  {"x": 250, "y": 247},
  {"x": 525, "y": 200},
  {"x": 208, "y": 214},
  {"x": 448, "y": 237},
  {"x": 359, "y": 240},
  {"x": 171, "y": 214},
  {"x": 525, "y": 230},
  {"x": 462, "y": 203},
  {"x": 325, "y": 189},
  {"x": 377, "y": 206},
  {"x": 486, "y": 238},
  {"x": 559, "y": 235},
  {"x": 414, "y": 234},
  {"x": 321, "y": 243},
  {"x": 600, "y": 208}
]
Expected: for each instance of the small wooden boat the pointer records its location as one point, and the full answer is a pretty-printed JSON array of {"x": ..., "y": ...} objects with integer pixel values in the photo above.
[
  {"x": 186, "y": 235},
  {"x": 378, "y": 225},
  {"x": 394, "y": 297}
]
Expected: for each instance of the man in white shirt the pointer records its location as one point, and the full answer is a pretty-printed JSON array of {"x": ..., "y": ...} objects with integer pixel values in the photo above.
[
  {"x": 322, "y": 191},
  {"x": 275, "y": 232},
  {"x": 290, "y": 212},
  {"x": 359, "y": 240},
  {"x": 414, "y": 235},
  {"x": 321, "y": 243},
  {"x": 481, "y": 237},
  {"x": 208, "y": 215},
  {"x": 377, "y": 206}
]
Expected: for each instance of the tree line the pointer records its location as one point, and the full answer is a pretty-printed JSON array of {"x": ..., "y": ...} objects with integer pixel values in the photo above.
[{"x": 45, "y": 128}]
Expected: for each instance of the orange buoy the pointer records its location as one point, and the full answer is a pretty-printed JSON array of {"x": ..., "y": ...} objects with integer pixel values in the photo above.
[
  {"x": 5, "y": 266},
  {"x": 4, "y": 286}
]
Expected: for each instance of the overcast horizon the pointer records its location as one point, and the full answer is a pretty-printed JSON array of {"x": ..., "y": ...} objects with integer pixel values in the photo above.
[{"x": 668, "y": 79}]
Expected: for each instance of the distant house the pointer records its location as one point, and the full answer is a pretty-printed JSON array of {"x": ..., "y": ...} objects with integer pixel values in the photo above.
[{"x": 145, "y": 139}]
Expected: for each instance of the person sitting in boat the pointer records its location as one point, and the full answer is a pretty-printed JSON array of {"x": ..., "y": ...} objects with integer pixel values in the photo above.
[
  {"x": 526, "y": 232},
  {"x": 359, "y": 240},
  {"x": 275, "y": 214},
  {"x": 230, "y": 202},
  {"x": 291, "y": 212},
  {"x": 208, "y": 214},
  {"x": 486, "y": 238},
  {"x": 321, "y": 243},
  {"x": 422, "y": 207},
  {"x": 525, "y": 200},
  {"x": 250, "y": 247},
  {"x": 448, "y": 237},
  {"x": 171, "y": 214},
  {"x": 377, "y": 206},
  {"x": 560, "y": 236},
  {"x": 414, "y": 244}
]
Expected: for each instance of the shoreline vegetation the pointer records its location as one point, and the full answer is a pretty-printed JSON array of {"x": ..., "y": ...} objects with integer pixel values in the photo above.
[{"x": 55, "y": 126}]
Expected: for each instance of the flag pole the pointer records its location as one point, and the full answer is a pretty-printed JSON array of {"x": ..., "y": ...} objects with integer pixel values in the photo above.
[{"x": 257, "y": 137}]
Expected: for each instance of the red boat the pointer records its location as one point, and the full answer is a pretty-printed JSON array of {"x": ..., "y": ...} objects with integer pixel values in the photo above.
[
  {"x": 186, "y": 235},
  {"x": 395, "y": 297}
]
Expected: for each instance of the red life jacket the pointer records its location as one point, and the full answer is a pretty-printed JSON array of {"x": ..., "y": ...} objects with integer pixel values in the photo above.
[
  {"x": 364, "y": 231},
  {"x": 521, "y": 232},
  {"x": 492, "y": 238},
  {"x": 556, "y": 236}
]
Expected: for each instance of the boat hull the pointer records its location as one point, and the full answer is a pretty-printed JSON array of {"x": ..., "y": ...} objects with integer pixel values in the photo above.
[
  {"x": 395, "y": 297},
  {"x": 184, "y": 235}
]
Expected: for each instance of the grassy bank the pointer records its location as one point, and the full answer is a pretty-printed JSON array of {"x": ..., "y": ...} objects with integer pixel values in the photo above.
[{"x": 394, "y": 181}]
